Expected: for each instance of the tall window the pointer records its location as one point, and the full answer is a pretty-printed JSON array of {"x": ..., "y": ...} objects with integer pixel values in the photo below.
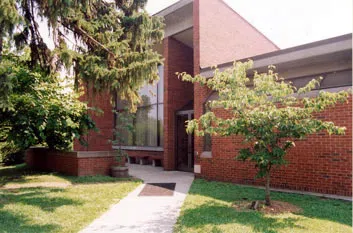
[
  {"x": 207, "y": 139},
  {"x": 147, "y": 122}
]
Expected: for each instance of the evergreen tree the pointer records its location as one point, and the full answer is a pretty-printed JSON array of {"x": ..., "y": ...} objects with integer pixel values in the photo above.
[
  {"x": 113, "y": 41},
  {"x": 9, "y": 17}
]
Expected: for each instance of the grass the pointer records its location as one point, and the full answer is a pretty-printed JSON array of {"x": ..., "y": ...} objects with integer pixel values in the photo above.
[
  {"x": 208, "y": 208},
  {"x": 48, "y": 202}
]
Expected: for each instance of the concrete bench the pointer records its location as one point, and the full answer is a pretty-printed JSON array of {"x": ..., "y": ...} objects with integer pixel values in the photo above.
[
  {"x": 145, "y": 159},
  {"x": 138, "y": 159},
  {"x": 157, "y": 161}
]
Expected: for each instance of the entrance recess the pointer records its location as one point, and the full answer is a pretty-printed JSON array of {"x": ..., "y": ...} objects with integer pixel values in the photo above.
[{"x": 184, "y": 142}]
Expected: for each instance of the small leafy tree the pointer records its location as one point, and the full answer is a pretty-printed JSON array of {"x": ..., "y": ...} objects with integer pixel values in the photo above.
[
  {"x": 267, "y": 111},
  {"x": 38, "y": 110}
]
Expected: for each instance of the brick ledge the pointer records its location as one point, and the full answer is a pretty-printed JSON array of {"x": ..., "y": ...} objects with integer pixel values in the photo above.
[{"x": 140, "y": 148}]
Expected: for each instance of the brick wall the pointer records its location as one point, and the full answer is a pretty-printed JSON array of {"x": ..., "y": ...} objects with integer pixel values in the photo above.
[
  {"x": 94, "y": 166},
  {"x": 225, "y": 36},
  {"x": 70, "y": 163},
  {"x": 45, "y": 160},
  {"x": 177, "y": 58},
  {"x": 320, "y": 163},
  {"x": 99, "y": 141}
]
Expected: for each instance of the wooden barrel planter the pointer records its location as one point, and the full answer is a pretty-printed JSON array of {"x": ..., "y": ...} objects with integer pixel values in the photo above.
[{"x": 120, "y": 171}]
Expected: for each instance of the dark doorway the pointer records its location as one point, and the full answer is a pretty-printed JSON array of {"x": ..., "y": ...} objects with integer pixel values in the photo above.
[{"x": 184, "y": 142}]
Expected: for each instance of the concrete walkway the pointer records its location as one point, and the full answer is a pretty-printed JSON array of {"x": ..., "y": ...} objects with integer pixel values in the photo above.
[{"x": 146, "y": 213}]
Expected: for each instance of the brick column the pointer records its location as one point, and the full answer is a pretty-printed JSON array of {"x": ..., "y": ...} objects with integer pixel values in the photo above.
[
  {"x": 177, "y": 58},
  {"x": 199, "y": 92}
]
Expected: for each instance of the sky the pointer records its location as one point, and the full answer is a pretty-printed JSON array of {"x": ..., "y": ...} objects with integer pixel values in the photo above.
[{"x": 288, "y": 23}]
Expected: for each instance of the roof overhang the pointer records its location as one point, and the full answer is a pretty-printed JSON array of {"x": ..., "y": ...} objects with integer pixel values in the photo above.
[
  {"x": 178, "y": 19},
  {"x": 172, "y": 8},
  {"x": 335, "y": 51}
]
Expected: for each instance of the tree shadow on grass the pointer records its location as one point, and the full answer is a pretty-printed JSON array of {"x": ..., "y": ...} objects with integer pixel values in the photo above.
[
  {"x": 212, "y": 213},
  {"x": 37, "y": 197},
  {"x": 98, "y": 179},
  {"x": 312, "y": 207},
  {"x": 17, "y": 174},
  {"x": 18, "y": 223},
  {"x": 15, "y": 220},
  {"x": 315, "y": 207}
]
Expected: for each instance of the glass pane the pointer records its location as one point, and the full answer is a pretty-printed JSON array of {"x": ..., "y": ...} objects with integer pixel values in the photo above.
[
  {"x": 146, "y": 126},
  {"x": 161, "y": 84},
  {"x": 124, "y": 129},
  {"x": 148, "y": 95},
  {"x": 160, "y": 124},
  {"x": 121, "y": 104},
  {"x": 207, "y": 138},
  {"x": 207, "y": 143}
]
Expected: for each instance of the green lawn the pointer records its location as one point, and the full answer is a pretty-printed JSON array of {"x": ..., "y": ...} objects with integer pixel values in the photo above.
[
  {"x": 42, "y": 202},
  {"x": 208, "y": 208}
]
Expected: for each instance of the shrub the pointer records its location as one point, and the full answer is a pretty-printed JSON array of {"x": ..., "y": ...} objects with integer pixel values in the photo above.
[
  {"x": 39, "y": 109},
  {"x": 13, "y": 158}
]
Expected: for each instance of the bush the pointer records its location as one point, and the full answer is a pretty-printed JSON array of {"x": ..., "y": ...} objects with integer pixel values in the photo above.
[
  {"x": 10, "y": 155},
  {"x": 39, "y": 108},
  {"x": 14, "y": 158}
]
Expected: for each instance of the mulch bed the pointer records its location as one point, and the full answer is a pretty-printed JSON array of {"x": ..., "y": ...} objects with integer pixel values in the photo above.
[{"x": 277, "y": 207}]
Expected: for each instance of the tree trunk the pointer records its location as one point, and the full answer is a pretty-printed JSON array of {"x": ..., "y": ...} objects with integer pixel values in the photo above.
[
  {"x": 267, "y": 189},
  {"x": 1, "y": 44}
]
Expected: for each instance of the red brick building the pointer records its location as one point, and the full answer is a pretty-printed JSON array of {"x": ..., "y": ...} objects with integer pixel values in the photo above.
[{"x": 198, "y": 35}]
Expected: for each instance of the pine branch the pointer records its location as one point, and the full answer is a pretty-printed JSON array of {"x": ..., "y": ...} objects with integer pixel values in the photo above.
[{"x": 84, "y": 33}]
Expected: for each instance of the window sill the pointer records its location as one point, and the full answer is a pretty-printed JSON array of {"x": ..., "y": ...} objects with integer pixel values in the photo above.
[
  {"x": 206, "y": 155},
  {"x": 141, "y": 148}
]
